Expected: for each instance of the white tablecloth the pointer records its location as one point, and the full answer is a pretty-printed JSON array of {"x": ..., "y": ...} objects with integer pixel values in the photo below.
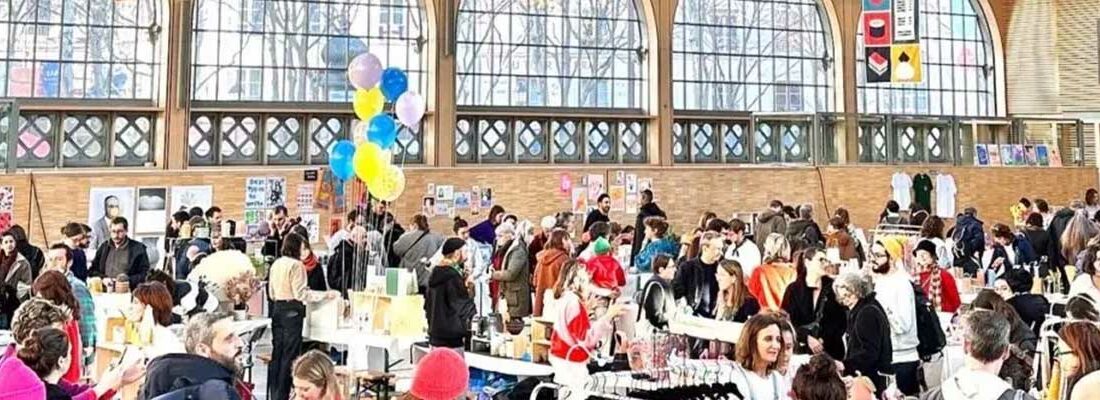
[
  {"x": 507, "y": 366},
  {"x": 359, "y": 345}
]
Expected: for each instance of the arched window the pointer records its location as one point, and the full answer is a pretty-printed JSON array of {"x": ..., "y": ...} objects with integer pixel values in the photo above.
[
  {"x": 65, "y": 54},
  {"x": 750, "y": 56},
  {"x": 957, "y": 61},
  {"x": 543, "y": 55},
  {"x": 290, "y": 56}
]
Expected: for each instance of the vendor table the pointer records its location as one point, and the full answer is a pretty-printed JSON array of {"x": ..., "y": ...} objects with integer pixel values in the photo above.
[{"x": 507, "y": 366}]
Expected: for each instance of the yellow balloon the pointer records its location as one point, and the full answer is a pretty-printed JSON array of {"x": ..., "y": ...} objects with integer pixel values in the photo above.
[
  {"x": 370, "y": 161},
  {"x": 368, "y": 103},
  {"x": 389, "y": 185}
]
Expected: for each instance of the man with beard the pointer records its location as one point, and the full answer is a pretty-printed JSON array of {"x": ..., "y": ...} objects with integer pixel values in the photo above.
[
  {"x": 600, "y": 213},
  {"x": 648, "y": 209},
  {"x": 894, "y": 291},
  {"x": 208, "y": 370},
  {"x": 121, "y": 256}
]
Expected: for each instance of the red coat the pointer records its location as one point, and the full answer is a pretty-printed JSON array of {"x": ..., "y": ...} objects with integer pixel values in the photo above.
[
  {"x": 72, "y": 331},
  {"x": 949, "y": 292},
  {"x": 606, "y": 272}
]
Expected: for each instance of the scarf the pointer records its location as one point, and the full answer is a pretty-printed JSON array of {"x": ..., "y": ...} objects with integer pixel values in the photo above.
[
  {"x": 7, "y": 261},
  {"x": 311, "y": 262},
  {"x": 935, "y": 286}
]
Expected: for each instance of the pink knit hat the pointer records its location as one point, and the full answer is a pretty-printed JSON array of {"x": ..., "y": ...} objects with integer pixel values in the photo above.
[
  {"x": 17, "y": 382},
  {"x": 441, "y": 375}
]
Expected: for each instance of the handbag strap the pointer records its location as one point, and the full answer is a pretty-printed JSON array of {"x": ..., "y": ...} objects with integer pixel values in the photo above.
[
  {"x": 645, "y": 295},
  {"x": 422, "y": 234}
]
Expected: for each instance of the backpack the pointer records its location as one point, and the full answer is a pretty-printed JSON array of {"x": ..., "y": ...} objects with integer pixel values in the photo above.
[
  {"x": 969, "y": 239},
  {"x": 931, "y": 337},
  {"x": 210, "y": 390},
  {"x": 1009, "y": 394}
]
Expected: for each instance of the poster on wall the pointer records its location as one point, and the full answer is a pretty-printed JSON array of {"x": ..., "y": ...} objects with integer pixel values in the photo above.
[
  {"x": 105, "y": 204},
  {"x": 1006, "y": 155},
  {"x": 475, "y": 206},
  {"x": 565, "y": 183},
  {"x": 486, "y": 198},
  {"x": 645, "y": 184},
  {"x": 631, "y": 184},
  {"x": 877, "y": 28},
  {"x": 905, "y": 63},
  {"x": 443, "y": 209},
  {"x": 305, "y": 197},
  {"x": 462, "y": 200},
  {"x": 276, "y": 192},
  {"x": 620, "y": 178},
  {"x": 427, "y": 207},
  {"x": 580, "y": 200},
  {"x": 7, "y": 207},
  {"x": 877, "y": 67},
  {"x": 152, "y": 210},
  {"x": 595, "y": 187},
  {"x": 981, "y": 155},
  {"x": 1055, "y": 156},
  {"x": 905, "y": 21},
  {"x": 994, "y": 155},
  {"x": 255, "y": 193},
  {"x": 444, "y": 192},
  {"x": 1042, "y": 154},
  {"x": 631, "y": 203},
  {"x": 876, "y": 5},
  {"x": 322, "y": 197},
  {"x": 312, "y": 222},
  {"x": 186, "y": 197},
  {"x": 1032, "y": 158},
  {"x": 618, "y": 198}
]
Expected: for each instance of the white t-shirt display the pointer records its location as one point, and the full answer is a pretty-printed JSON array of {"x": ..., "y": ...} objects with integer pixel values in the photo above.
[
  {"x": 903, "y": 189},
  {"x": 945, "y": 196}
]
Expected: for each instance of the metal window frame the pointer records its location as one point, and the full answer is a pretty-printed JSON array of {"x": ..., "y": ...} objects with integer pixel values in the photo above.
[{"x": 551, "y": 125}]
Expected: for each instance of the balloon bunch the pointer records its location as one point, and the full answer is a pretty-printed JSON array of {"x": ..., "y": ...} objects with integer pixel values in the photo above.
[{"x": 370, "y": 155}]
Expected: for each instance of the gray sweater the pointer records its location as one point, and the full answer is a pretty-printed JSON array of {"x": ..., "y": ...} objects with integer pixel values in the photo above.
[{"x": 411, "y": 251}]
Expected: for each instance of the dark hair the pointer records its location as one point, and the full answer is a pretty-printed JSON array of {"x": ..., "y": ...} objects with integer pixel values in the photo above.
[
  {"x": 1042, "y": 205},
  {"x": 121, "y": 221},
  {"x": 819, "y": 380},
  {"x": 1018, "y": 279},
  {"x": 54, "y": 286},
  {"x": 157, "y": 296},
  {"x": 775, "y": 204},
  {"x": 459, "y": 224},
  {"x": 599, "y": 230},
  {"x": 989, "y": 300},
  {"x": 790, "y": 212},
  {"x": 212, "y": 210},
  {"x": 43, "y": 349},
  {"x": 556, "y": 240},
  {"x": 1083, "y": 306},
  {"x": 1035, "y": 220},
  {"x": 705, "y": 218},
  {"x": 616, "y": 229},
  {"x": 660, "y": 262},
  {"x": 918, "y": 216},
  {"x": 195, "y": 212},
  {"x": 562, "y": 217},
  {"x": 292, "y": 246},
  {"x": 86, "y": 228},
  {"x": 893, "y": 206},
  {"x": 838, "y": 223},
  {"x": 603, "y": 196},
  {"x": 806, "y": 211},
  {"x": 717, "y": 225},
  {"x": 168, "y": 281},
  {"x": 71, "y": 229},
  {"x": 800, "y": 259},
  {"x": 843, "y": 214},
  {"x": 746, "y": 345},
  {"x": 281, "y": 210},
  {"x": 303, "y": 232},
  {"x": 421, "y": 222},
  {"x": 1025, "y": 202},
  {"x": 181, "y": 216},
  {"x": 352, "y": 216},
  {"x": 1084, "y": 341},
  {"x": 932, "y": 228},
  {"x": 647, "y": 195},
  {"x": 1001, "y": 231},
  {"x": 494, "y": 211},
  {"x": 63, "y": 246},
  {"x": 1091, "y": 195}
]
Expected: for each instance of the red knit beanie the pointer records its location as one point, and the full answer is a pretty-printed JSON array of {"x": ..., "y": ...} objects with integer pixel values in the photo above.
[{"x": 441, "y": 375}]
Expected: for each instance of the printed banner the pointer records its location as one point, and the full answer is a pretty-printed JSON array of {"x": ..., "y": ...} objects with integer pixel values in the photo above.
[
  {"x": 905, "y": 63},
  {"x": 877, "y": 28},
  {"x": 905, "y": 21},
  {"x": 878, "y": 64}
]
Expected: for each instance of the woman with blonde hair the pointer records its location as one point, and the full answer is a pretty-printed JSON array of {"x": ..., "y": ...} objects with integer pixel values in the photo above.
[
  {"x": 1076, "y": 237},
  {"x": 315, "y": 377},
  {"x": 769, "y": 281}
]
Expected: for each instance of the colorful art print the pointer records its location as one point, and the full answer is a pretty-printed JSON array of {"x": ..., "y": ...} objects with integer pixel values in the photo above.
[
  {"x": 618, "y": 198},
  {"x": 876, "y": 5},
  {"x": 580, "y": 200},
  {"x": 1006, "y": 155},
  {"x": 427, "y": 207},
  {"x": 1055, "y": 156},
  {"x": 981, "y": 155},
  {"x": 7, "y": 198},
  {"x": 994, "y": 155},
  {"x": 877, "y": 64},
  {"x": 253, "y": 232},
  {"x": 595, "y": 187},
  {"x": 444, "y": 192},
  {"x": 105, "y": 204},
  {"x": 877, "y": 28},
  {"x": 442, "y": 208},
  {"x": 322, "y": 198},
  {"x": 462, "y": 200},
  {"x": 486, "y": 198},
  {"x": 1019, "y": 156},
  {"x": 5, "y": 220},
  {"x": 1042, "y": 154},
  {"x": 631, "y": 184},
  {"x": 565, "y": 183},
  {"x": 620, "y": 178},
  {"x": 339, "y": 198},
  {"x": 253, "y": 217},
  {"x": 1032, "y": 158},
  {"x": 905, "y": 63}
]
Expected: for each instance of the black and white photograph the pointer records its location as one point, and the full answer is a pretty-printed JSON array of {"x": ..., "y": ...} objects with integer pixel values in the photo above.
[{"x": 152, "y": 210}]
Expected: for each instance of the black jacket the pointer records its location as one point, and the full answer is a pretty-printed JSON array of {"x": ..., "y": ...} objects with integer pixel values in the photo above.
[
  {"x": 1041, "y": 243},
  {"x": 1057, "y": 227},
  {"x": 138, "y": 261},
  {"x": 33, "y": 255},
  {"x": 869, "y": 350},
  {"x": 593, "y": 217},
  {"x": 658, "y": 294},
  {"x": 342, "y": 265},
  {"x": 448, "y": 308},
  {"x": 825, "y": 320},
  {"x": 1033, "y": 309},
  {"x": 803, "y": 233},
  {"x": 645, "y": 211},
  {"x": 698, "y": 284},
  {"x": 172, "y": 372}
]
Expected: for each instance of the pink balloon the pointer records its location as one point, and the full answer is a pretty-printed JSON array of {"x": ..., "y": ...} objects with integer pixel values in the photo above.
[
  {"x": 410, "y": 109},
  {"x": 365, "y": 71}
]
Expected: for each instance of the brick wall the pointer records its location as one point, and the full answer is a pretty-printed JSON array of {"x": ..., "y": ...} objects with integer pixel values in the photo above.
[{"x": 532, "y": 192}]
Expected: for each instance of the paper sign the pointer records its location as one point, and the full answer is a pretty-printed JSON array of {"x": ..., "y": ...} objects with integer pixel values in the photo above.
[
  {"x": 442, "y": 208},
  {"x": 876, "y": 5},
  {"x": 305, "y": 197},
  {"x": 312, "y": 222},
  {"x": 580, "y": 200},
  {"x": 618, "y": 198},
  {"x": 905, "y": 21},
  {"x": 444, "y": 192},
  {"x": 631, "y": 184},
  {"x": 620, "y": 178},
  {"x": 255, "y": 193},
  {"x": 877, "y": 28},
  {"x": 905, "y": 63}
]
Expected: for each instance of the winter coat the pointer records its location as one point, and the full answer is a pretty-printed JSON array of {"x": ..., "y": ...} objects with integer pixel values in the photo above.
[
  {"x": 697, "y": 283},
  {"x": 414, "y": 248},
  {"x": 826, "y": 319},
  {"x": 768, "y": 223},
  {"x": 869, "y": 346},
  {"x": 644, "y": 261},
  {"x": 19, "y": 276},
  {"x": 593, "y": 217},
  {"x": 658, "y": 304},
  {"x": 1032, "y": 308},
  {"x": 1041, "y": 243},
  {"x": 606, "y": 272},
  {"x": 645, "y": 211},
  {"x": 34, "y": 256},
  {"x": 803, "y": 233},
  {"x": 844, "y": 242},
  {"x": 138, "y": 261},
  {"x": 547, "y": 271},
  {"x": 172, "y": 372},
  {"x": 342, "y": 264},
  {"x": 515, "y": 280},
  {"x": 448, "y": 308},
  {"x": 1056, "y": 228}
]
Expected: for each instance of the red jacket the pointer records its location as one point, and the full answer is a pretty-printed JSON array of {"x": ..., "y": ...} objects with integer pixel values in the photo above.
[
  {"x": 949, "y": 300},
  {"x": 606, "y": 272},
  {"x": 574, "y": 336},
  {"x": 72, "y": 331}
]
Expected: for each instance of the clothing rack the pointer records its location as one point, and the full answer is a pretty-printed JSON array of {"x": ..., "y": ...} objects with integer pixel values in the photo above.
[{"x": 687, "y": 374}]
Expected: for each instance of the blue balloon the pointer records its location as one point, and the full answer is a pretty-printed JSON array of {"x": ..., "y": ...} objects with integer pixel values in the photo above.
[
  {"x": 394, "y": 83},
  {"x": 383, "y": 131},
  {"x": 340, "y": 159}
]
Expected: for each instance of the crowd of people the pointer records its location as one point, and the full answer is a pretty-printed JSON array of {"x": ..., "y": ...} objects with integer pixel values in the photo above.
[{"x": 861, "y": 308}]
